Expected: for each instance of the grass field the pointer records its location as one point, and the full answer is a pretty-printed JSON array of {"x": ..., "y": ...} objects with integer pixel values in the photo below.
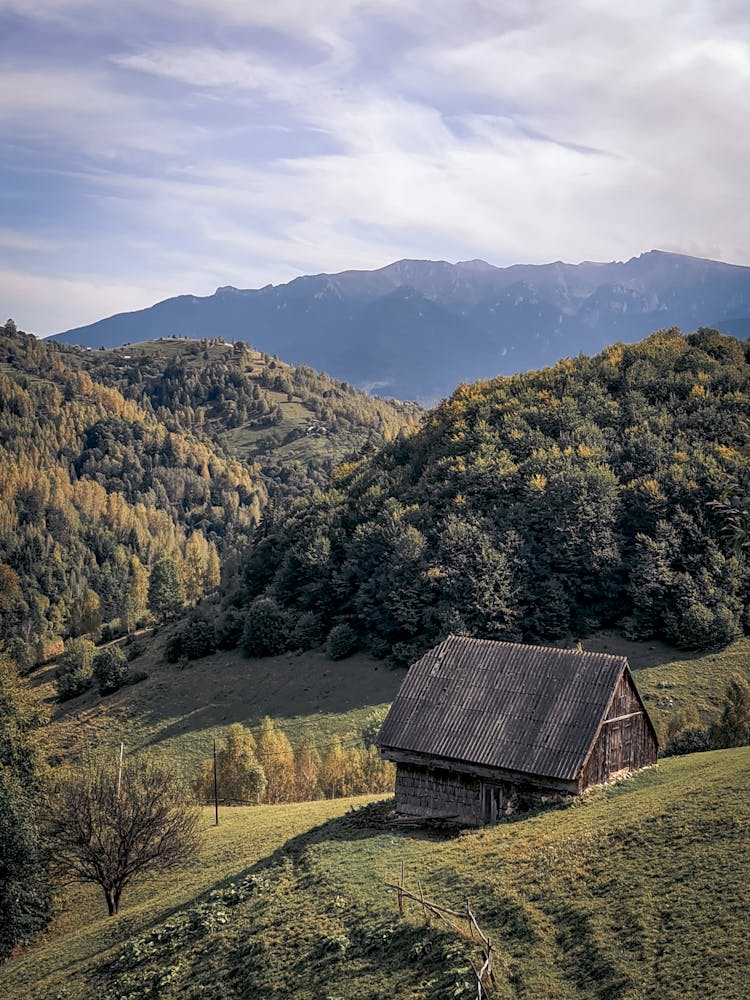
[
  {"x": 178, "y": 713},
  {"x": 641, "y": 890}
]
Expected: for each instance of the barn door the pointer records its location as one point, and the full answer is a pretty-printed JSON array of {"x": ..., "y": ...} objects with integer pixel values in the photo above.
[
  {"x": 487, "y": 800},
  {"x": 493, "y": 801}
]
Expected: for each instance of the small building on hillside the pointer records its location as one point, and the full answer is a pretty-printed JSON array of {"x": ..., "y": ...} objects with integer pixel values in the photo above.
[{"x": 478, "y": 726}]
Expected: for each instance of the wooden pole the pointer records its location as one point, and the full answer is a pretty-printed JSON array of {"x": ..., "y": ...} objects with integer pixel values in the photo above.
[
  {"x": 216, "y": 789},
  {"x": 119, "y": 770}
]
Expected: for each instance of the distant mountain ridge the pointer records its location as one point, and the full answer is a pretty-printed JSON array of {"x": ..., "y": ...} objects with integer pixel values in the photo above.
[{"x": 415, "y": 329}]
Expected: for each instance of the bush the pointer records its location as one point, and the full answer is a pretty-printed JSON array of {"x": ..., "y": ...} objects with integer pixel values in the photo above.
[
  {"x": 307, "y": 632},
  {"x": 134, "y": 650},
  {"x": 341, "y": 642},
  {"x": 733, "y": 728},
  {"x": 75, "y": 668},
  {"x": 690, "y": 741},
  {"x": 265, "y": 631},
  {"x": 173, "y": 647},
  {"x": 110, "y": 669},
  {"x": 112, "y": 630},
  {"x": 21, "y": 654},
  {"x": 198, "y": 639},
  {"x": 195, "y": 639},
  {"x": 229, "y": 629}
]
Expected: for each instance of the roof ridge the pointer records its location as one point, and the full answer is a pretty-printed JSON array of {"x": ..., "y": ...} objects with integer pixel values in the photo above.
[{"x": 532, "y": 645}]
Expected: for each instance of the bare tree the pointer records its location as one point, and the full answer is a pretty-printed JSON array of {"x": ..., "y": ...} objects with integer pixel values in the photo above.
[{"x": 110, "y": 831}]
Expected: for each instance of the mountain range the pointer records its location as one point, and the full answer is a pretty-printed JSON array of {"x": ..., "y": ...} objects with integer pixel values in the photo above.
[{"x": 415, "y": 328}]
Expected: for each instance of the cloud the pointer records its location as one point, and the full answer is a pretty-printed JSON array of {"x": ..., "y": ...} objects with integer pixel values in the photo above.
[
  {"x": 34, "y": 301},
  {"x": 12, "y": 239},
  {"x": 233, "y": 142}
]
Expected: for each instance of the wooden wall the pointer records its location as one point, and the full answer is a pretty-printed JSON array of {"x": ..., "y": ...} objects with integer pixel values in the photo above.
[
  {"x": 626, "y": 743},
  {"x": 438, "y": 794}
]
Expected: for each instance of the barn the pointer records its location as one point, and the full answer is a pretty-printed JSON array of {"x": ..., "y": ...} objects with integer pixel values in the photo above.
[{"x": 479, "y": 726}]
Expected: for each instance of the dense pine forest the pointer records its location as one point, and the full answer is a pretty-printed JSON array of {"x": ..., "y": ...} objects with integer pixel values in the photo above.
[
  {"x": 536, "y": 507},
  {"x": 114, "y": 462}
]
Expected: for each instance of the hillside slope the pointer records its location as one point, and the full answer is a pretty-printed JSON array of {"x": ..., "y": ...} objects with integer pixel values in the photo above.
[
  {"x": 636, "y": 892},
  {"x": 110, "y": 461},
  {"x": 94, "y": 490},
  {"x": 176, "y": 713},
  {"x": 293, "y": 423},
  {"x": 415, "y": 329},
  {"x": 537, "y": 507}
]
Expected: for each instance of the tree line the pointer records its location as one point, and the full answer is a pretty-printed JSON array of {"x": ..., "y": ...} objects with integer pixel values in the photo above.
[{"x": 269, "y": 769}]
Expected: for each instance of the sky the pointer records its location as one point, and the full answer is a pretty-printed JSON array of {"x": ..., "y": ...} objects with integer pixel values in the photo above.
[{"x": 157, "y": 148}]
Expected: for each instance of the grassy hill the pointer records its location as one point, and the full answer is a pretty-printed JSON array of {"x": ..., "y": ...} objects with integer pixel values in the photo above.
[
  {"x": 293, "y": 423},
  {"x": 178, "y": 713},
  {"x": 638, "y": 891}
]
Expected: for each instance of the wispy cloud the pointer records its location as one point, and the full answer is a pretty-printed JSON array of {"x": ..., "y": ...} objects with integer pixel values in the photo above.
[{"x": 217, "y": 142}]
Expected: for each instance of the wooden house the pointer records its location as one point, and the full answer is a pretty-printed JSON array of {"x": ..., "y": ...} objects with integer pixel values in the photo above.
[{"x": 478, "y": 725}]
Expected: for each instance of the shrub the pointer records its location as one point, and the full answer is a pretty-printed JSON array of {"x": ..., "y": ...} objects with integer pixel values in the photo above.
[
  {"x": 21, "y": 654},
  {"x": 133, "y": 651},
  {"x": 307, "y": 632},
  {"x": 195, "y": 639},
  {"x": 265, "y": 631},
  {"x": 110, "y": 669},
  {"x": 341, "y": 642},
  {"x": 690, "y": 741},
  {"x": 229, "y": 629},
  {"x": 112, "y": 630},
  {"x": 198, "y": 638},
  {"x": 75, "y": 668},
  {"x": 733, "y": 728},
  {"x": 173, "y": 647}
]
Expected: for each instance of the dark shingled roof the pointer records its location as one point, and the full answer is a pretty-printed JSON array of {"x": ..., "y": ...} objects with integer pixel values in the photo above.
[{"x": 501, "y": 704}]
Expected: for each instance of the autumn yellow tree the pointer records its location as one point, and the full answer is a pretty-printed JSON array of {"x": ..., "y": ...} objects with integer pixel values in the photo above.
[
  {"x": 137, "y": 595},
  {"x": 306, "y": 769},
  {"x": 240, "y": 776},
  {"x": 277, "y": 759},
  {"x": 332, "y": 775}
]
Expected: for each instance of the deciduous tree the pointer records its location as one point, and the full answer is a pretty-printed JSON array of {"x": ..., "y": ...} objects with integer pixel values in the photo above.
[{"x": 109, "y": 833}]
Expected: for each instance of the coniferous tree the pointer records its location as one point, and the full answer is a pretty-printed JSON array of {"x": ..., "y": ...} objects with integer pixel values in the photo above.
[
  {"x": 25, "y": 896},
  {"x": 166, "y": 596}
]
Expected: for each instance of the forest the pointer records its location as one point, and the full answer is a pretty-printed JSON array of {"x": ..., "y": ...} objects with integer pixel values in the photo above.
[
  {"x": 603, "y": 491},
  {"x": 113, "y": 462}
]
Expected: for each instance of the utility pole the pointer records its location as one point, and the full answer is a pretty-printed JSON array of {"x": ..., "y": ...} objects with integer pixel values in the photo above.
[
  {"x": 216, "y": 789},
  {"x": 119, "y": 770}
]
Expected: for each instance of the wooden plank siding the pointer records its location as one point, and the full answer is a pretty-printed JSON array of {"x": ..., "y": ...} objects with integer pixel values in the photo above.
[
  {"x": 436, "y": 793},
  {"x": 625, "y": 741}
]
